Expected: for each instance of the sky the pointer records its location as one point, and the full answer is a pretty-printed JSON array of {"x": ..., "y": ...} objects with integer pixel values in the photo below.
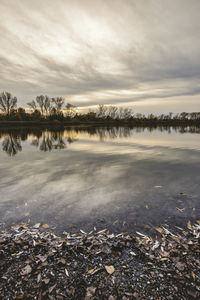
[{"x": 143, "y": 54}]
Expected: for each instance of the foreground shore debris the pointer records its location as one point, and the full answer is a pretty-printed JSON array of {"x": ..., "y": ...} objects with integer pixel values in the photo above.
[{"x": 37, "y": 264}]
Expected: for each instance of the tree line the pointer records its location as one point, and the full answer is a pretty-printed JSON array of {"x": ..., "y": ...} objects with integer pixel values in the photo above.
[
  {"x": 55, "y": 110},
  {"x": 42, "y": 108}
]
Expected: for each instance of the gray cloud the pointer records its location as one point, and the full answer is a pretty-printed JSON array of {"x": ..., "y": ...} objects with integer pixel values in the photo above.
[{"x": 101, "y": 51}]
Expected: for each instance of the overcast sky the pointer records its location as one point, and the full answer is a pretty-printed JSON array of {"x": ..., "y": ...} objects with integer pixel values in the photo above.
[{"x": 140, "y": 53}]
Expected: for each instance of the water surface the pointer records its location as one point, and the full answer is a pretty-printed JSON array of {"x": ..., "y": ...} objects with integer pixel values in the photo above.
[{"x": 121, "y": 178}]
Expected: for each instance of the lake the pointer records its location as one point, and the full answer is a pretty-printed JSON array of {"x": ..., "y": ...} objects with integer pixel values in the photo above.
[{"x": 124, "y": 179}]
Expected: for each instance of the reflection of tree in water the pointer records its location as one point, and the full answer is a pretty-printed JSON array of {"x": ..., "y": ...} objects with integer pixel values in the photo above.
[
  {"x": 46, "y": 144},
  {"x": 48, "y": 140},
  {"x": 108, "y": 133},
  {"x": 11, "y": 144},
  {"x": 111, "y": 133},
  {"x": 52, "y": 140}
]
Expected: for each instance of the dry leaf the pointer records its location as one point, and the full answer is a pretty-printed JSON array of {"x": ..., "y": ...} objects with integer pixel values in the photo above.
[
  {"x": 46, "y": 281},
  {"x": 193, "y": 275},
  {"x": 51, "y": 288},
  {"x": 180, "y": 209},
  {"x": 37, "y": 225},
  {"x": 90, "y": 293},
  {"x": 147, "y": 206},
  {"x": 90, "y": 271},
  {"x": 20, "y": 296},
  {"x": 27, "y": 214},
  {"x": 26, "y": 270},
  {"x": 38, "y": 277},
  {"x": 159, "y": 230},
  {"x": 164, "y": 258},
  {"x": 43, "y": 258},
  {"x": 66, "y": 272},
  {"x": 180, "y": 266},
  {"x": 62, "y": 261},
  {"x": 136, "y": 295},
  {"x": 110, "y": 269},
  {"x": 189, "y": 225},
  {"x": 45, "y": 226}
]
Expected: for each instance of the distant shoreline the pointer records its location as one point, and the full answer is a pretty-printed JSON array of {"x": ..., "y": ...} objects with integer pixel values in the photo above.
[{"x": 132, "y": 123}]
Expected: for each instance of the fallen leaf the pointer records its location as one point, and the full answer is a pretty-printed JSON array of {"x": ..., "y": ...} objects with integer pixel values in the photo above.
[
  {"x": 111, "y": 297},
  {"x": 27, "y": 214},
  {"x": 38, "y": 277},
  {"x": 159, "y": 230},
  {"x": 90, "y": 293},
  {"x": 51, "y": 288},
  {"x": 71, "y": 291},
  {"x": 90, "y": 271},
  {"x": 62, "y": 261},
  {"x": 164, "y": 258},
  {"x": 37, "y": 225},
  {"x": 147, "y": 206},
  {"x": 26, "y": 270},
  {"x": 189, "y": 225},
  {"x": 180, "y": 209},
  {"x": 110, "y": 269},
  {"x": 46, "y": 280},
  {"x": 66, "y": 272},
  {"x": 180, "y": 266},
  {"x": 43, "y": 258},
  {"x": 136, "y": 295},
  {"x": 193, "y": 275},
  {"x": 45, "y": 226},
  {"x": 21, "y": 296}
]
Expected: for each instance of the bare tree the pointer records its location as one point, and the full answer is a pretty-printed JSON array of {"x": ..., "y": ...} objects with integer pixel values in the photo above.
[
  {"x": 112, "y": 112},
  {"x": 58, "y": 102},
  {"x": 40, "y": 101},
  {"x": 7, "y": 102},
  {"x": 32, "y": 105},
  {"x": 102, "y": 111},
  {"x": 47, "y": 105},
  {"x": 124, "y": 112},
  {"x": 71, "y": 110}
]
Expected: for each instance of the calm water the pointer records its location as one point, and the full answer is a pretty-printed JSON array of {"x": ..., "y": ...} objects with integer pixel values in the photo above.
[{"x": 120, "y": 178}]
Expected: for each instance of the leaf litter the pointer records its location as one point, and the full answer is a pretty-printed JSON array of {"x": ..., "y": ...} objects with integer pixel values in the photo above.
[{"x": 37, "y": 264}]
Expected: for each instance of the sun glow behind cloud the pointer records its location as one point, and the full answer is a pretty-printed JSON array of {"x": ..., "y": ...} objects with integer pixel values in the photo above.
[{"x": 132, "y": 52}]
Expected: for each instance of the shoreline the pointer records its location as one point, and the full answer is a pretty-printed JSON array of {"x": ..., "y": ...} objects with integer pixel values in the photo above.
[
  {"x": 37, "y": 264},
  {"x": 96, "y": 123}
]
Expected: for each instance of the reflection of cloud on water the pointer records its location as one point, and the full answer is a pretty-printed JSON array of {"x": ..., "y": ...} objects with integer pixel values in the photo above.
[{"x": 92, "y": 174}]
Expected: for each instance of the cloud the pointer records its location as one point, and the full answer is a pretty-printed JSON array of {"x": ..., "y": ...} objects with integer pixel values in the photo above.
[{"x": 100, "y": 51}]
